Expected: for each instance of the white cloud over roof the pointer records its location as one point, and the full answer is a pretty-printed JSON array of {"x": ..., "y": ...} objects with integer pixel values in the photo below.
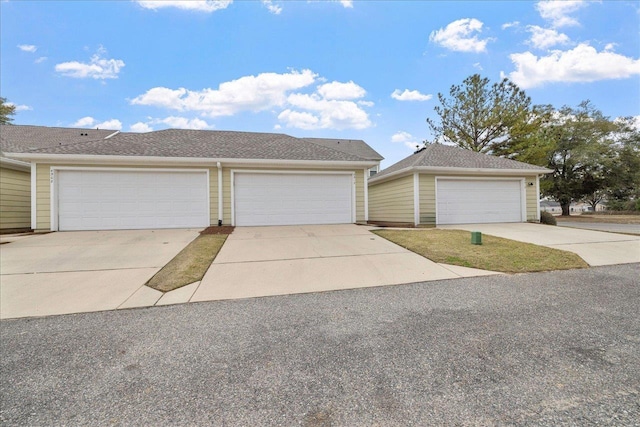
[
  {"x": 97, "y": 67},
  {"x": 207, "y": 6},
  {"x": 410, "y": 95},
  {"x": 580, "y": 64},
  {"x": 461, "y": 36}
]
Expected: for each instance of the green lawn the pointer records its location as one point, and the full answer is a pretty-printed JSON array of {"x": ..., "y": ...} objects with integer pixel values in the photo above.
[
  {"x": 189, "y": 265},
  {"x": 495, "y": 253}
]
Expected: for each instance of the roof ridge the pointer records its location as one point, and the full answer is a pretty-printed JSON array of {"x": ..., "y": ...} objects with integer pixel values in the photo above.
[{"x": 329, "y": 148}]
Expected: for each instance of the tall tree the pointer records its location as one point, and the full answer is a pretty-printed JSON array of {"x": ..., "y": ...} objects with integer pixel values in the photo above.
[
  {"x": 581, "y": 152},
  {"x": 6, "y": 111},
  {"x": 623, "y": 179},
  {"x": 480, "y": 116}
]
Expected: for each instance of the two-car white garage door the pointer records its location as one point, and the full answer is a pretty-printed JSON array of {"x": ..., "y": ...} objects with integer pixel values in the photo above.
[
  {"x": 293, "y": 198},
  {"x": 467, "y": 201},
  {"x": 131, "y": 199}
]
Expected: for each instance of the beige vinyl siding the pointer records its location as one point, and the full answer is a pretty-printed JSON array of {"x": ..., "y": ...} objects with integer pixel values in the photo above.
[
  {"x": 43, "y": 197},
  {"x": 43, "y": 190},
  {"x": 427, "y": 199},
  {"x": 532, "y": 199},
  {"x": 226, "y": 187},
  {"x": 15, "y": 199},
  {"x": 360, "y": 196},
  {"x": 392, "y": 201}
]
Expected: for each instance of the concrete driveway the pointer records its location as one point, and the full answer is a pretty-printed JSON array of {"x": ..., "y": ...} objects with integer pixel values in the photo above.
[
  {"x": 595, "y": 247},
  {"x": 261, "y": 261},
  {"x": 72, "y": 272}
]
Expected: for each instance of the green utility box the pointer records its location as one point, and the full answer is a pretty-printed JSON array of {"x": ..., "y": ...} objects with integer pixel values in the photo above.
[{"x": 476, "y": 238}]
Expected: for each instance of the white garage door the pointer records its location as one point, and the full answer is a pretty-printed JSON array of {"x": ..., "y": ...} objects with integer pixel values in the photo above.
[
  {"x": 479, "y": 201},
  {"x": 124, "y": 200},
  {"x": 292, "y": 199}
]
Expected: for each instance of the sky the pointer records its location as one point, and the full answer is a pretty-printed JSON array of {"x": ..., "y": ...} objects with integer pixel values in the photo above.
[{"x": 369, "y": 70}]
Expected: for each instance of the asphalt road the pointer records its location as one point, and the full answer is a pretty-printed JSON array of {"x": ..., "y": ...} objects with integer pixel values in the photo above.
[{"x": 552, "y": 349}]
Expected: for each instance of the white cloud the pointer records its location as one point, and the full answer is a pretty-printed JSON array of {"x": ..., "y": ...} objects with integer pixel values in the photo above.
[
  {"x": 337, "y": 90},
  {"x": 406, "y": 139},
  {"x": 273, "y": 8},
  {"x": 97, "y": 67},
  {"x": 457, "y": 36},
  {"x": 346, "y": 3},
  {"x": 248, "y": 93},
  {"x": 366, "y": 103},
  {"x": 140, "y": 127},
  {"x": 510, "y": 24},
  {"x": 320, "y": 113},
  {"x": 558, "y": 11},
  {"x": 478, "y": 66},
  {"x": 332, "y": 105},
  {"x": 27, "y": 48},
  {"x": 580, "y": 64},
  {"x": 410, "y": 95},
  {"x": 207, "y": 6},
  {"x": 20, "y": 107},
  {"x": 113, "y": 124},
  {"x": 544, "y": 38},
  {"x": 183, "y": 123},
  {"x": 84, "y": 122},
  {"x": 90, "y": 122},
  {"x": 40, "y": 59}
]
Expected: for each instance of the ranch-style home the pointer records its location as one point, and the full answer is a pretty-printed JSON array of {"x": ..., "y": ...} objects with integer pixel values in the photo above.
[
  {"x": 441, "y": 184},
  {"x": 105, "y": 180}
]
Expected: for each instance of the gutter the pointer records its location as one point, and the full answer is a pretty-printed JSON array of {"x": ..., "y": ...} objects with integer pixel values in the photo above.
[
  {"x": 15, "y": 164},
  {"x": 93, "y": 159},
  {"x": 458, "y": 171}
]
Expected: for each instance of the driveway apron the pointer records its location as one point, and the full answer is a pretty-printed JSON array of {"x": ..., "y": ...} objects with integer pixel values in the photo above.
[
  {"x": 262, "y": 261},
  {"x": 73, "y": 272}
]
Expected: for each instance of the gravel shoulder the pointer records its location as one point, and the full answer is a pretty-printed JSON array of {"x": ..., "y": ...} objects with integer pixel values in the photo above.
[{"x": 555, "y": 348}]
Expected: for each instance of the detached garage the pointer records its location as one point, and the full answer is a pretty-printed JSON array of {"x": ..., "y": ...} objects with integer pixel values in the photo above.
[
  {"x": 442, "y": 184},
  {"x": 195, "y": 179}
]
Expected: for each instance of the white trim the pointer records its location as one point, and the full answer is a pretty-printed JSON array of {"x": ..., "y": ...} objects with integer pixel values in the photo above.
[
  {"x": 220, "y": 198},
  {"x": 538, "y": 197},
  {"x": 34, "y": 198},
  {"x": 53, "y": 199},
  {"x": 112, "y": 134},
  {"x": 14, "y": 164},
  {"x": 93, "y": 159},
  {"x": 53, "y": 173},
  {"x": 435, "y": 192},
  {"x": 416, "y": 199},
  {"x": 292, "y": 172},
  {"x": 366, "y": 195},
  {"x": 458, "y": 171},
  {"x": 523, "y": 190}
]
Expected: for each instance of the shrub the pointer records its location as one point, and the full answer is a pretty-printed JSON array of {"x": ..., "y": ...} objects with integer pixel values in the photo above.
[{"x": 547, "y": 218}]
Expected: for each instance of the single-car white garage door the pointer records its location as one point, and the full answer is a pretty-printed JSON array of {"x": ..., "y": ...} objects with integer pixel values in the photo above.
[
  {"x": 293, "y": 198},
  {"x": 131, "y": 199},
  {"x": 468, "y": 201}
]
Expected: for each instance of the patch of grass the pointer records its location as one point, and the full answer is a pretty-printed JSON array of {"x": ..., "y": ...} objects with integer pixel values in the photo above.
[
  {"x": 495, "y": 253},
  {"x": 189, "y": 265}
]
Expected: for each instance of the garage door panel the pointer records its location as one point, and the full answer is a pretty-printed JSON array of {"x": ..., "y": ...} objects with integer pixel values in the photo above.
[
  {"x": 110, "y": 200},
  {"x": 292, "y": 199},
  {"x": 479, "y": 201}
]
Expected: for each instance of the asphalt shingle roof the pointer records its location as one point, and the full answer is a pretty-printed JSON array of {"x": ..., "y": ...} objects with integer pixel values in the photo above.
[
  {"x": 210, "y": 144},
  {"x": 23, "y": 138},
  {"x": 446, "y": 156},
  {"x": 352, "y": 146}
]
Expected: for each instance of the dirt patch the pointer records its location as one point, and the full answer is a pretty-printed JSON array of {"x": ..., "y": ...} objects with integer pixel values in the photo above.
[{"x": 223, "y": 229}]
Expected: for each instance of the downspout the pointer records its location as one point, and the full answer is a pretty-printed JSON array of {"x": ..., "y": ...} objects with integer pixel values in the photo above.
[{"x": 220, "y": 215}]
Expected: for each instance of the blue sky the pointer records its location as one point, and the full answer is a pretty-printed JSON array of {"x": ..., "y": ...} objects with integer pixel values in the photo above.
[{"x": 346, "y": 69}]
